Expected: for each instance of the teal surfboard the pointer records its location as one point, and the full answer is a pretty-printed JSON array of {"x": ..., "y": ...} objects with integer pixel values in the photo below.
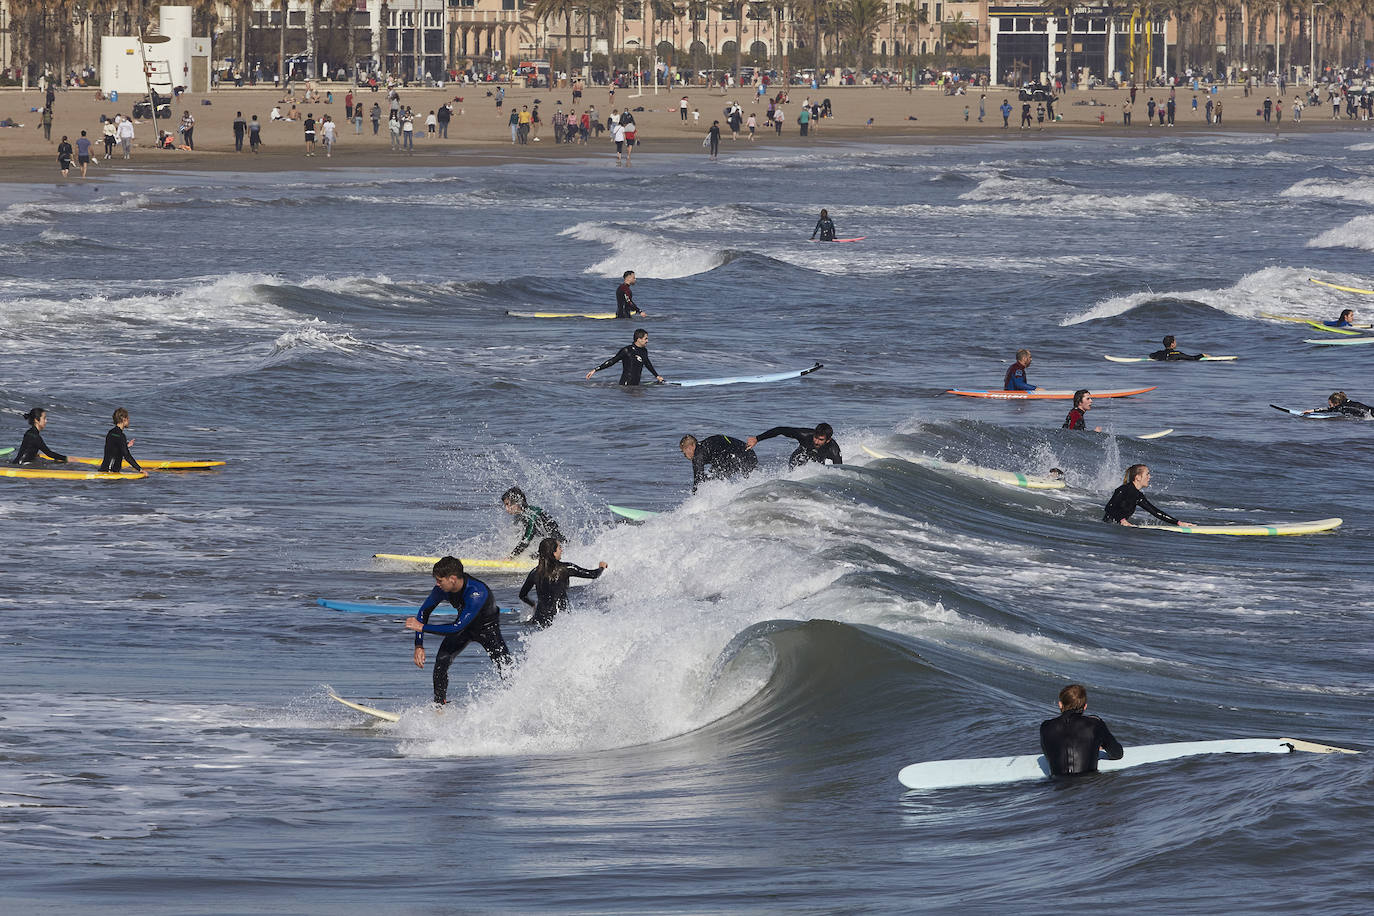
[
  {"x": 746, "y": 379},
  {"x": 634, "y": 515}
]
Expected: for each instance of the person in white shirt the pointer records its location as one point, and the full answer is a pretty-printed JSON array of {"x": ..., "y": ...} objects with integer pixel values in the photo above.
[
  {"x": 126, "y": 136},
  {"x": 330, "y": 129},
  {"x": 618, "y": 135}
]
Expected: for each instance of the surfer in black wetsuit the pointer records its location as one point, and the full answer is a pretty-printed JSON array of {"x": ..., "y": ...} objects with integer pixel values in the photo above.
[
  {"x": 479, "y": 621},
  {"x": 717, "y": 458},
  {"x": 117, "y": 445},
  {"x": 633, "y": 359},
  {"x": 816, "y": 444},
  {"x": 625, "y": 297},
  {"x": 1337, "y": 403},
  {"x": 533, "y": 521},
  {"x": 825, "y": 226},
  {"x": 33, "y": 443},
  {"x": 1071, "y": 740},
  {"x": 549, "y": 580},
  {"x": 1082, "y": 403},
  {"x": 1127, "y": 498},
  {"x": 1171, "y": 353}
]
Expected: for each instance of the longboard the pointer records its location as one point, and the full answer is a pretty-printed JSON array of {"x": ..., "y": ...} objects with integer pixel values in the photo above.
[
  {"x": 1314, "y": 415},
  {"x": 46, "y": 474},
  {"x": 987, "y": 771},
  {"x": 634, "y": 515},
  {"x": 391, "y": 610},
  {"x": 1011, "y": 478},
  {"x": 1344, "y": 289},
  {"x": 1319, "y": 325},
  {"x": 855, "y": 239},
  {"x": 370, "y": 710},
  {"x": 596, "y": 315},
  {"x": 1044, "y": 394},
  {"x": 160, "y": 465},
  {"x": 746, "y": 379},
  {"x": 1146, "y": 359},
  {"x": 1314, "y": 527},
  {"x": 1339, "y": 341},
  {"x": 501, "y": 565}
]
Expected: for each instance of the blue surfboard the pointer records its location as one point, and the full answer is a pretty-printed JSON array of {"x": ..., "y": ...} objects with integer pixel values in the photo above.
[
  {"x": 746, "y": 379},
  {"x": 395, "y": 610}
]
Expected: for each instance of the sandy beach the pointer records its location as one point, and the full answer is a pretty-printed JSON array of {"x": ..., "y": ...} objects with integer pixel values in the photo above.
[{"x": 479, "y": 133}]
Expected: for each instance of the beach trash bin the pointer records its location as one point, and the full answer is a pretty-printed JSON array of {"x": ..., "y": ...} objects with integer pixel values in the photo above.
[{"x": 114, "y": 95}]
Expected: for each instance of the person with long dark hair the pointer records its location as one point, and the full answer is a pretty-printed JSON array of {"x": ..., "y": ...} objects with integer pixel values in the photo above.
[
  {"x": 33, "y": 442},
  {"x": 549, "y": 581}
]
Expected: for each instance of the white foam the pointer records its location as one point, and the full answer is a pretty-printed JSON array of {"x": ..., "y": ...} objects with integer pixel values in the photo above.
[
  {"x": 1353, "y": 189},
  {"x": 1272, "y": 290},
  {"x": 656, "y": 256},
  {"x": 1358, "y": 233}
]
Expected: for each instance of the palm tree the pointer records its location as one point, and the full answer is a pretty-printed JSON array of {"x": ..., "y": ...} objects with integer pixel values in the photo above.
[
  {"x": 958, "y": 32},
  {"x": 734, "y": 9},
  {"x": 553, "y": 9},
  {"x": 864, "y": 19}
]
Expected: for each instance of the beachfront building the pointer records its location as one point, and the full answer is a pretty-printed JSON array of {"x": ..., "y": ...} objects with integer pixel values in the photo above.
[{"x": 1031, "y": 42}]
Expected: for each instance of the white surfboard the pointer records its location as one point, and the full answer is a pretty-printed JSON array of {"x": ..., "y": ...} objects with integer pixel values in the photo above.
[
  {"x": 989, "y": 771},
  {"x": 1010, "y": 478},
  {"x": 369, "y": 710},
  {"x": 1146, "y": 359}
]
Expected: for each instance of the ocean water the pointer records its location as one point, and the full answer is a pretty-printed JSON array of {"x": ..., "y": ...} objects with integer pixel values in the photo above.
[{"x": 718, "y": 722}]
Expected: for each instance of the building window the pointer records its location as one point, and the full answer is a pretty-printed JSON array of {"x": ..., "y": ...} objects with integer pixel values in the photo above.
[{"x": 937, "y": 12}]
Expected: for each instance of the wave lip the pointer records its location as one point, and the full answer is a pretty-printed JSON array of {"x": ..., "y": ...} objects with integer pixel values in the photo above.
[
  {"x": 1277, "y": 290},
  {"x": 647, "y": 255}
]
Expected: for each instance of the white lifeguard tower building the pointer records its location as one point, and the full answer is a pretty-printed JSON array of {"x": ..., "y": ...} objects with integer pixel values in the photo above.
[{"x": 180, "y": 59}]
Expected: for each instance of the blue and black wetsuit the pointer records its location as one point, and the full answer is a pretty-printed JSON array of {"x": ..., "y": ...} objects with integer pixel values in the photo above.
[
  {"x": 30, "y": 448},
  {"x": 534, "y": 523},
  {"x": 1126, "y": 499},
  {"x": 1070, "y": 742},
  {"x": 478, "y": 621},
  {"x": 553, "y": 593},
  {"x": 1173, "y": 355},
  {"x": 117, "y": 451},
  {"x": 1015, "y": 379},
  {"x": 1353, "y": 409},
  {"x": 807, "y": 450},
  {"x": 1338, "y": 323},
  {"x": 633, "y": 361},
  {"x": 721, "y": 458}
]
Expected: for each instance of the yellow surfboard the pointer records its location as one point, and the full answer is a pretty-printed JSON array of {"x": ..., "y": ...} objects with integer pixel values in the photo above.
[
  {"x": 369, "y": 710},
  {"x": 601, "y": 316},
  {"x": 501, "y": 565},
  {"x": 1344, "y": 289},
  {"x": 47, "y": 474},
  {"x": 159, "y": 465}
]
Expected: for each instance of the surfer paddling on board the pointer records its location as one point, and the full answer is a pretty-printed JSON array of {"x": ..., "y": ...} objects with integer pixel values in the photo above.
[
  {"x": 717, "y": 458},
  {"x": 33, "y": 443},
  {"x": 1015, "y": 379},
  {"x": 1127, "y": 498},
  {"x": 549, "y": 581},
  {"x": 1071, "y": 740},
  {"x": 1339, "y": 403},
  {"x": 816, "y": 444},
  {"x": 117, "y": 444},
  {"x": 478, "y": 621},
  {"x": 1347, "y": 320},
  {"x": 633, "y": 359},
  {"x": 1082, "y": 403},
  {"x": 825, "y": 226},
  {"x": 1171, "y": 353},
  {"x": 533, "y": 521},
  {"x": 625, "y": 297}
]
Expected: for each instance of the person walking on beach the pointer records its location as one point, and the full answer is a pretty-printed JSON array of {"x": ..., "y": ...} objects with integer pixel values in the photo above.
[
  {"x": 442, "y": 117},
  {"x": 631, "y": 134},
  {"x": 45, "y": 122},
  {"x": 64, "y": 156},
  {"x": 254, "y": 134},
  {"x": 478, "y": 621},
  {"x": 83, "y": 152},
  {"x": 1071, "y": 741},
  {"x": 1218, "y": 122},
  {"x": 618, "y": 137},
  {"x": 713, "y": 139},
  {"x": 357, "y": 119},
  {"x": 376, "y": 115},
  {"x": 1025, "y": 115},
  {"x": 408, "y": 132},
  {"x": 1209, "y": 109},
  {"x": 329, "y": 129},
  {"x": 240, "y": 129},
  {"x": 394, "y": 126},
  {"x": 982, "y": 101},
  {"x": 309, "y": 125},
  {"x": 110, "y": 132},
  {"x": 1006, "y": 114},
  {"x": 188, "y": 129}
]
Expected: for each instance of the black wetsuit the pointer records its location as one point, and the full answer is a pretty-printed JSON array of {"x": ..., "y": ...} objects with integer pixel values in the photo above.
[
  {"x": 33, "y": 444},
  {"x": 1070, "y": 742},
  {"x": 1171, "y": 355},
  {"x": 478, "y": 621},
  {"x": 1353, "y": 409},
  {"x": 721, "y": 458},
  {"x": 625, "y": 301},
  {"x": 1075, "y": 420},
  {"x": 1126, "y": 499},
  {"x": 826, "y": 227},
  {"x": 553, "y": 593},
  {"x": 633, "y": 361},
  {"x": 806, "y": 446},
  {"x": 535, "y": 523},
  {"x": 117, "y": 451}
]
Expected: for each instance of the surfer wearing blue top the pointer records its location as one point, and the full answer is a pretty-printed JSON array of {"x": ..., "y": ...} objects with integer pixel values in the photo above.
[
  {"x": 1127, "y": 498},
  {"x": 825, "y": 226},
  {"x": 625, "y": 297},
  {"x": 532, "y": 520},
  {"x": 1082, "y": 403},
  {"x": 717, "y": 458},
  {"x": 816, "y": 444},
  {"x": 1347, "y": 320},
  {"x": 33, "y": 444},
  {"x": 117, "y": 444},
  {"x": 633, "y": 359},
  {"x": 1071, "y": 740},
  {"x": 549, "y": 581},
  {"x": 1015, "y": 379},
  {"x": 478, "y": 621},
  {"x": 1171, "y": 353},
  {"x": 1339, "y": 403}
]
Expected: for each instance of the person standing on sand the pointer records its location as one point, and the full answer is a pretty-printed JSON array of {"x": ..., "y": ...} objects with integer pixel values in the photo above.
[
  {"x": 110, "y": 135},
  {"x": 240, "y": 129},
  {"x": 45, "y": 122},
  {"x": 713, "y": 139},
  {"x": 982, "y": 101},
  {"x": 329, "y": 130},
  {"x": 309, "y": 125},
  {"x": 376, "y": 118},
  {"x": 408, "y": 132},
  {"x": 778, "y": 119},
  {"x": 188, "y": 128},
  {"x": 254, "y": 134},
  {"x": 64, "y": 156},
  {"x": 83, "y": 152},
  {"x": 1218, "y": 112},
  {"x": 1006, "y": 114},
  {"x": 618, "y": 136},
  {"x": 126, "y": 136}
]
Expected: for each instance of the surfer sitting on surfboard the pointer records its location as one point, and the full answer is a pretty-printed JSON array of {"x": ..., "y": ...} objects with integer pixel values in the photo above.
[
  {"x": 1127, "y": 498},
  {"x": 1339, "y": 403},
  {"x": 549, "y": 580},
  {"x": 825, "y": 226},
  {"x": 816, "y": 444},
  {"x": 1071, "y": 740},
  {"x": 633, "y": 359},
  {"x": 625, "y": 297},
  {"x": 478, "y": 621},
  {"x": 1171, "y": 353},
  {"x": 117, "y": 444},
  {"x": 1082, "y": 403},
  {"x": 717, "y": 458},
  {"x": 1347, "y": 320},
  {"x": 33, "y": 443},
  {"x": 532, "y": 520},
  {"x": 1015, "y": 379}
]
